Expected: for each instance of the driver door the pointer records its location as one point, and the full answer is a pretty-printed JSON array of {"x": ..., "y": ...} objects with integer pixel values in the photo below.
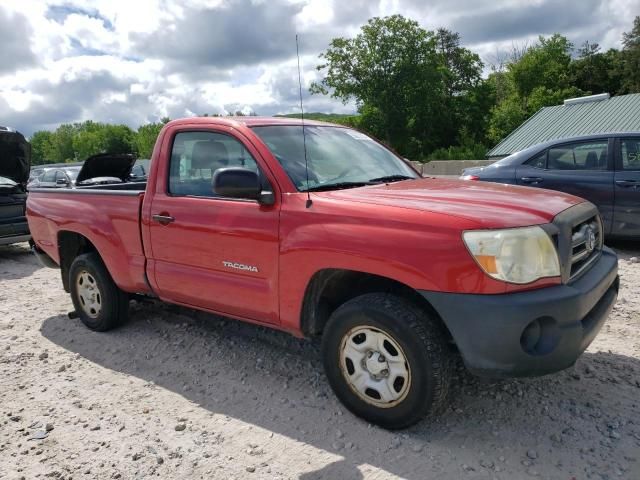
[{"x": 212, "y": 252}]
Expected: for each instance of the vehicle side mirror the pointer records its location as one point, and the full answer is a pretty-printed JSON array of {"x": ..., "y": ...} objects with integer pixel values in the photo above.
[
  {"x": 235, "y": 182},
  {"x": 61, "y": 182}
]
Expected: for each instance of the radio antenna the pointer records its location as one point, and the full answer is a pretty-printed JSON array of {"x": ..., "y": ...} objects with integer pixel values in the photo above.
[{"x": 304, "y": 136}]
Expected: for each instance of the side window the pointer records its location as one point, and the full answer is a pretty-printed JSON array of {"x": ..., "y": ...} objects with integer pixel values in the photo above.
[
  {"x": 579, "y": 156},
  {"x": 630, "y": 154},
  {"x": 196, "y": 156},
  {"x": 49, "y": 176},
  {"x": 538, "y": 161},
  {"x": 60, "y": 175}
]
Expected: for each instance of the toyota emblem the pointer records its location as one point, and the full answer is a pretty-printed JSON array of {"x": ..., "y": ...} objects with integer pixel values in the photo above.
[{"x": 590, "y": 243}]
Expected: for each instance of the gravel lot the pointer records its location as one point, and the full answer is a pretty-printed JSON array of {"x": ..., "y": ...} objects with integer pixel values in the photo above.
[{"x": 181, "y": 394}]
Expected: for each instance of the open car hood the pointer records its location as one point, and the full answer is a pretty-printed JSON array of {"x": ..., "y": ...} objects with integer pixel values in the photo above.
[
  {"x": 15, "y": 156},
  {"x": 106, "y": 165}
]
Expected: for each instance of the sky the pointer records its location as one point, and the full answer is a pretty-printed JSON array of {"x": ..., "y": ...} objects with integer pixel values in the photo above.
[{"x": 136, "y": 61}]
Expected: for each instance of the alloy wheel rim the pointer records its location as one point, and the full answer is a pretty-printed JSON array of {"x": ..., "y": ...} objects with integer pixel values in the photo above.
[
  {"x": 89, "y": 294},
  {"x": 374, "y": 366}
]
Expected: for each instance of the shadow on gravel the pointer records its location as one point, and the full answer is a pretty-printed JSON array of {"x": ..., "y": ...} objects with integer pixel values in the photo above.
[
  {"x": 275, "y": 381},
  {"x": 625, "y": 248},
  {"x": 18, "y": 253}
]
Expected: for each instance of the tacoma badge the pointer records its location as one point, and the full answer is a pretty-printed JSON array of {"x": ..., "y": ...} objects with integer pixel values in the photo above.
[{"x": 240, "y": 266}]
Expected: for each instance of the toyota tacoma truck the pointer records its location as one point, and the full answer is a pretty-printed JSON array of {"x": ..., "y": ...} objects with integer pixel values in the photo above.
[{"x": 320, "y": 231}]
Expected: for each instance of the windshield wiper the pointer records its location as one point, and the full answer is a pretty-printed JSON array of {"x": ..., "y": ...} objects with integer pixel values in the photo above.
[
  {"x": 337, "y": 186},
  {"x": 391, "y": 178}
]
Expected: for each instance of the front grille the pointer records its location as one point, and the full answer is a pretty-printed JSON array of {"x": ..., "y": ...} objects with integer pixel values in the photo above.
[{"x": 586, "y": 245}]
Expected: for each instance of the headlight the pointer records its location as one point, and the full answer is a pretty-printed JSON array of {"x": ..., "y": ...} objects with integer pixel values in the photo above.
[{"x": 515, "y": 255}]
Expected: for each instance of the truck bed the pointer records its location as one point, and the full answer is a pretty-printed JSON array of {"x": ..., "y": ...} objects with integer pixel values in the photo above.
[{"x": 107, "y": 215}]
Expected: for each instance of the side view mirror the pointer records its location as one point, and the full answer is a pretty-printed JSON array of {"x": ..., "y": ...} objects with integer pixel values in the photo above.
[
  {"x": 61, "y": 182},
  {"x": 235, "y": 182}
]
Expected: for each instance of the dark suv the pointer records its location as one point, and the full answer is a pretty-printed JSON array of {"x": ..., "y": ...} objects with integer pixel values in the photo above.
[{"x": 15, "y": 160}]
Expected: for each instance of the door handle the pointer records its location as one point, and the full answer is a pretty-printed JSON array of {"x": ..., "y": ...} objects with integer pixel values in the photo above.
[
  {"x": 163, "y": 218},
  {"x": 531, "y": 179},
  {"x": 627, "y": 183}
]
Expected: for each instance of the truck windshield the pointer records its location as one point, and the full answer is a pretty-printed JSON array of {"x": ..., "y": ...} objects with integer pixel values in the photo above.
[{"x": 337, "y": 157}]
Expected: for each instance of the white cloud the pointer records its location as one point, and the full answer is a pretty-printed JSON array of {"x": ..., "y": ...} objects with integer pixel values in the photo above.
[{"x": 137, "y": 61}]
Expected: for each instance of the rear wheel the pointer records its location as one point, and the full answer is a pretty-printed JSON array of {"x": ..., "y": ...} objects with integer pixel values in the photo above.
[
  {"x": 98, "y": 301},
  {"x": 387, "y": 360}
]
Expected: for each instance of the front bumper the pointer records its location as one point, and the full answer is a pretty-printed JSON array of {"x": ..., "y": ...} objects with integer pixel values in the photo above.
[{"x": 530, "y": 333}]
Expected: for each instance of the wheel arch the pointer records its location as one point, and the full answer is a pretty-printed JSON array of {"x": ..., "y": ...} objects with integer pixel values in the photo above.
[
  {"x": 70, "y": 245},
  {"x": 329, "y": 288}
]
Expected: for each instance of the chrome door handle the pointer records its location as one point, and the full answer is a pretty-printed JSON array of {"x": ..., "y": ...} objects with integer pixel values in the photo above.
[
  {"x": 627, "y": 183},
  {"x": 531, "y": 179},
  {"x": 163, "y": 219}
]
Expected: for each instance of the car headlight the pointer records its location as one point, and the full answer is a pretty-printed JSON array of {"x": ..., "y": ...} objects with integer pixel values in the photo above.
[{"x": 514, "y": 255}]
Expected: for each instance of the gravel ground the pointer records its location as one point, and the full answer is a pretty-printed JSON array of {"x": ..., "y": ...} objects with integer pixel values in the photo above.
[{"x": 180, "y": 394}]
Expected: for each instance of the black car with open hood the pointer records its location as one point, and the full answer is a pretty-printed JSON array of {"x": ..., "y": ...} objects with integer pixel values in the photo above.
[
  {"x": 15, "y": 161},
  {"x": 106, "y": 168}
]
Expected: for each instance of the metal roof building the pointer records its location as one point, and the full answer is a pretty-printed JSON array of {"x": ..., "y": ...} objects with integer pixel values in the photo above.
[{"x": 577, "y": 116}]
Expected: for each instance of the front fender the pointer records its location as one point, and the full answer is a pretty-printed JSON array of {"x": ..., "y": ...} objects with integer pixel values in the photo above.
[{"x": 420, "y": 250}]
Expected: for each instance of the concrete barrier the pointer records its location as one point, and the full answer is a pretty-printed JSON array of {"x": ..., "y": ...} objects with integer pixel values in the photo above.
[{"x": 448, "y": 167}]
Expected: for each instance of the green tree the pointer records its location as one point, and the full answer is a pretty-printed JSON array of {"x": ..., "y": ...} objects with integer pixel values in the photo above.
[
  {"x": 541, "y": 76},
  {"x": 506, "y": 117},
  {"x": 597, "y": 72},
  {"x": 543, "y": 65},
  {"x": 145, "y": 138},
  {"x": 411, "y": 86},
  {"x": 92, "y": 138},
  {"x": 41, "y": 147},
  {"x": 462, "y": 114},
  {"x": 62, "y": 144},
  {"x": 631, "y": 58},
  {"x": 390, "y": 67},
  {"x": 87, "y": 140}
]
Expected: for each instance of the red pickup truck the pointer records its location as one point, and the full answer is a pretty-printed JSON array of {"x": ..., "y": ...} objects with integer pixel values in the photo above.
[{"x": 319, "y": 230}]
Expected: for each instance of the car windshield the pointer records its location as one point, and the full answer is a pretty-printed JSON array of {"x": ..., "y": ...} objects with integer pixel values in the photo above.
[
  {"x": 337, "y": 157},
  {"x": 72, "y": 173}
]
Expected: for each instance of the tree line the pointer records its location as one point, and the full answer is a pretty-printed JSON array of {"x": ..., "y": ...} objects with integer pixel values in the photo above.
[
  {"x": 419, "y": 91},
  {"x": 78, "y": 141}
]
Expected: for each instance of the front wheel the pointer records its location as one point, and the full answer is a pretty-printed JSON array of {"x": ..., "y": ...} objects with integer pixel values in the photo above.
[
  {"x": 98, "y": 301},
  {"x": 387, "y": 360}
]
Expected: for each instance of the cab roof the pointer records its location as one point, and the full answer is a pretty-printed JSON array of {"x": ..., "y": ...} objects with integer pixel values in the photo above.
[{"x": 249, "y": 121}]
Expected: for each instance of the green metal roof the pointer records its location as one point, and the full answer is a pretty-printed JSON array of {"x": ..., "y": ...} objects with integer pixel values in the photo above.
[{"x": 617, "y": 114}]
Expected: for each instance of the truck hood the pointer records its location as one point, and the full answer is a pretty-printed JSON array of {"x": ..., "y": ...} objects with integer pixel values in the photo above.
[
  {"x": 106, "y": 165},
  {"x": 491, "y": 205},
  {"x": 15, "y": 156}
]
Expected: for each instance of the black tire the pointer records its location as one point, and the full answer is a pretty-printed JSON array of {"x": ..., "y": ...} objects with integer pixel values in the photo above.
[
  {"x": 422, "y": 343},
  {"x": 114, "y": 303}
]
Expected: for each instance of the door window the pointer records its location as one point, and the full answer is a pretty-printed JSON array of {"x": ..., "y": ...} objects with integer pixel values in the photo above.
[
  {"x": 579, "y": 156},
  {"x": 538, "y": 161},
  {"x": 195, "y": 157},
  {"x": 630, "y": 154},
  {"x": 60, "y": 175}
]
